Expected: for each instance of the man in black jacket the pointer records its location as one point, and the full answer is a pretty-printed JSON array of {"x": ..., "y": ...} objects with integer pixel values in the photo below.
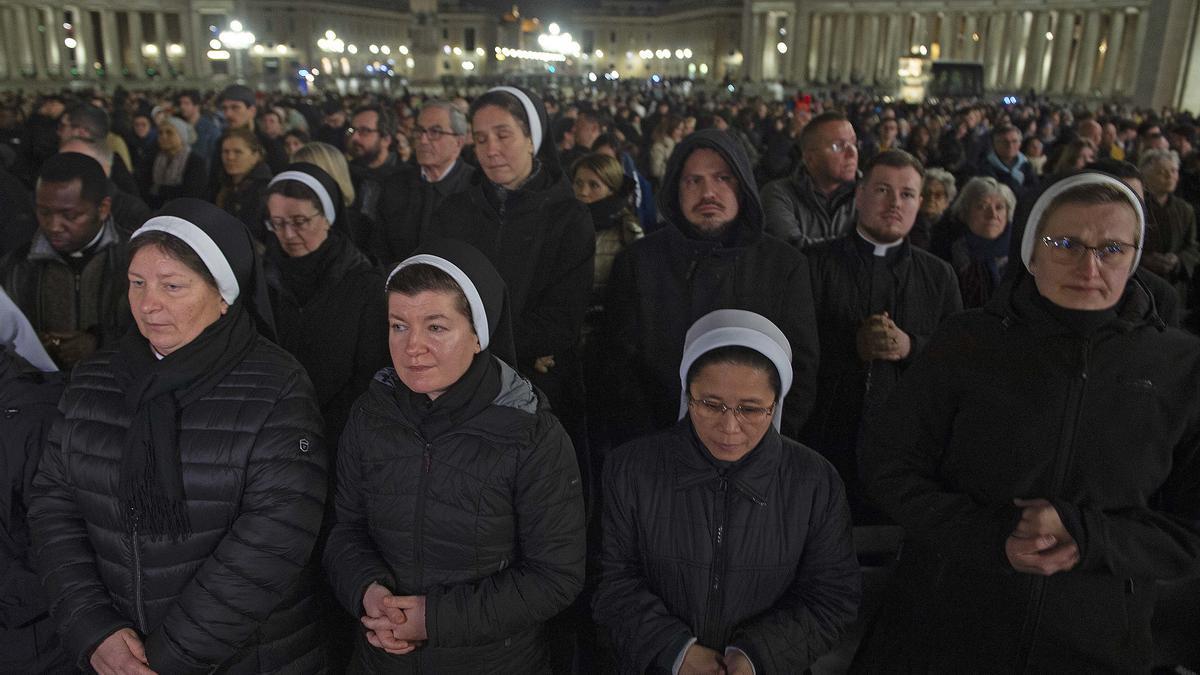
[
  {"x": 878, "y": 300},
  {"x": 28, "y": 640},
  {"x": 372, "y": 162},
  {"x": 713, "y": 255},
  {"x": 408, "y": 198}
]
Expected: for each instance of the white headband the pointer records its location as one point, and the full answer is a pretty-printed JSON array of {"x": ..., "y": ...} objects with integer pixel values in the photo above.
[
  {"x": 1030, "y": 237},
  {"x": 312, "y": 182},
  {"x": 478, "y": 313},
  {"x": 210, "y": 254},
  {"x": 535, "y": 123},
  {"x": 767, "y": 340}
]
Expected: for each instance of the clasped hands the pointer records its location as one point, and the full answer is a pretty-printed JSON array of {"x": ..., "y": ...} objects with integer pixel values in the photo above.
[
  {"x": 700, "y": 660},
  {"x": 1040, "y": 544},
  {"x": 395, "y": 623},
  {"x": 879, "y": 338}
]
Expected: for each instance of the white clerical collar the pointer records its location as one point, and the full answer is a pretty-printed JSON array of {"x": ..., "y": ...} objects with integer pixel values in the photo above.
[
  {"x": 96, "y": 239},
  {"x": 447, "y": 172},
  {"x": 881, "y": 250}
]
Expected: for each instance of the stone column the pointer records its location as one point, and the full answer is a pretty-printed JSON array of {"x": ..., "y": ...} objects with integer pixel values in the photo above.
[
  {"x": 1036, "y": 51},
  {"x": 1131, "y": 67},
  {"x": 1114, "y": 55},
  {"x": 1060, "y": 63},
  {"x": 970, "y": 49},
  {"x": 161, "y": 39},
  {"x": 848, "y": 47},
  {"x": 110, "y": 47},
  {"x": 870, "y": 52},
  {"x": 748, "y": 45},
  {"x": 945, "y": 37},
  {"x": 52, "y": 19},
  {"x": 1088, "y": 53},
  {"x": 24, "y": 40},
  {"x": 34, "y": 17},
  {"x": 195, "y": 41},
  {"x": 793, "y": 68},
  {"x": 994, "y": 38},
  {"x": 1018, "y": 48},
  {"x": 9, "y": 69},
  {"x": 137, "y": 64},
  {"x": 826, "y": 66}
]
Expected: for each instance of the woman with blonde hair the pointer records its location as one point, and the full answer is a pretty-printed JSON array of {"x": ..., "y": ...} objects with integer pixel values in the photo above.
[{"x": 331, "y": 160}]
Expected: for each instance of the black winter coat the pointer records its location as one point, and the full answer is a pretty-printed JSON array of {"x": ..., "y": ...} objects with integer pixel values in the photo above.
[
  {"x": 485, "y": 520},
  {"x": 1007, "y": 402},
  {"x": 663, "y": 282},
  {"x": 194, "y": 184},
  {"x": 338, "y": 331},
  {"x": 758, "y": 556},
  {"x": 406, "y": 207},
  {"x": 245, "y": 200},
  {"x": 28, "y": 406},
  {"x": 923, "y": 292},
  {"x": 236, "y": 595}
]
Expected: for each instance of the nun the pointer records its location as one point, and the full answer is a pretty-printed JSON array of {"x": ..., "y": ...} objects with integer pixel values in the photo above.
[
  {"x": 325, "y": 294},
  {"x": 459, "y": 528},
  {"x": 727, "y": 547},
  {"x": 178, "y": 500},
  {"x": 520, "y": 210},
  {"x": 1043, "y": 457}
]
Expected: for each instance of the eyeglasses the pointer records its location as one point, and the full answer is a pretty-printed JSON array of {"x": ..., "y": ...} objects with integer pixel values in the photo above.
[
  {"x": 434, "y": 134},
  {"x": 364, "y": 131},
  {"x": 296, "y": 223},
  {"x": 838, "y": 147},
  {"x": 1071, "y": 250},
  {"x": 712, "y": 410}
]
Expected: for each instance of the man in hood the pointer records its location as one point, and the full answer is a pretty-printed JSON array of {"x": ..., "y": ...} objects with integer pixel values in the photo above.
[{"x": 713, "y": 254}]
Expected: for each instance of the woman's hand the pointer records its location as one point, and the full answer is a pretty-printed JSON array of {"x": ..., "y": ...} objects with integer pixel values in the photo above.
[
  {"x": 700, "y": 660},
  {"x": 413, "y": 608},
  {"x": 385, "y": 621},
  {"x": 1040, "y": 544},
  {"x": 121, "y": 653},
  {"x": 544, "y": 364}
]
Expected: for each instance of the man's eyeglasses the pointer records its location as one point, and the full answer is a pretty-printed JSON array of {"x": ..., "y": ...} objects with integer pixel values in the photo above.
[
  {"x": 434, "y": 134},
  {"x": 838, "y": 147},
  {"x": 711, "y": 410},
  {"x": 1070, "y": 250},
  {"x": 296, "y": 223},
  {"x": 362, "y": 131}
]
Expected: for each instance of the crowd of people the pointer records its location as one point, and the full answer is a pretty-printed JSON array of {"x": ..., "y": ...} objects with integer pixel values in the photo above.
[{"x": 598, "y": 382}]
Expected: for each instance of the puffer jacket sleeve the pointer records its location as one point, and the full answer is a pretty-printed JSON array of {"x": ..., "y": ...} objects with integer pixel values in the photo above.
[
  {"x": 267, "y": 546},
  {"x": 824, "y": 595},
  {"x": 548, "y": 505},
  {"x": 902, "y": 453},
  {"x": 79, "y": 601},
  {"x": 352, "y": 562},
  {"x": 779, "y": 209},
  {"x": 642, "y": 627}
]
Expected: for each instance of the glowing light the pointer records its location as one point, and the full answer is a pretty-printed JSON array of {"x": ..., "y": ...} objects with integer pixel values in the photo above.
[
  {"x": 446, "y": 49},
  {"x": 279, "y": 49},
  {"x": 468, "y": 65},
  {"x": 457, "y": 51},
  {"x": 703, "y": 68},
  {"x": 386, "y": 50},
  {"x": 353, "y": 49},
  {"x": 316, "y": 71},
  {"x": 1049, "y": 35},
  {"x": 410, "y": 63},
  {"x": 687, "y": 53},
  {"x": 403, "y": 49},
  {"x": 781, "y": 48},
  {"x": 479, "y": 51},
  {"x": 329, "y": 35},
  {"x": 591, "y": 77},
  {"x": 374, "y": 49},
  {"x": 599, "y": 53},
  {"x": 218, "y": 55},
  {"x": 235, "y": 25},
  {"x": 214, "y": 44},
  {"x": 150, "y": 50},
  {"x": 553, "y": 28},
  {"x": 174, "y": 49},
  {"x": 71, "y": 43}
]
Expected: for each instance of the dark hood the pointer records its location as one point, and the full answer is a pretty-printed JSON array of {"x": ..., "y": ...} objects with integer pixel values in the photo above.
[{"x": 750, "y": 211}]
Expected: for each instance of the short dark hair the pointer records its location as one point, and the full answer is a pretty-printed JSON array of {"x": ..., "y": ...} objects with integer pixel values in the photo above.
[
  {"x": 421, "y": 277},
  {"x": 608, "y": 140},
  {"x": 506, "y": 102},
  {"x": 602, "y": 118},
  {"x": 175, "y": 248},
  {"x": 897, "y": 159},
  {"x": 386, "y": 123},
  {"x": 300, "y": 134},
  {"x": 90, "y": 118},
  {"x": 66, "y": 167},
  {"x": 1119, "y": 169},
  {"x": 191, "y": 95},
  {"x": 1005, "y": 129},
  {"x": 810, "y": 130},
  {"x": 739, "y": 356}
]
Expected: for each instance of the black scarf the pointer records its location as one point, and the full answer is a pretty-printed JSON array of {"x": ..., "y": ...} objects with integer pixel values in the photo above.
[
  {"x": 463, "y": 400},
  {"x": 156, "y": 391},
  {"x": 303, "y": 275}
]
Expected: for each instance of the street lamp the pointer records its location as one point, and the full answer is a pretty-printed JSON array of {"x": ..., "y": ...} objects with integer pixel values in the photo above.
[{"x": 238, "y": 40}]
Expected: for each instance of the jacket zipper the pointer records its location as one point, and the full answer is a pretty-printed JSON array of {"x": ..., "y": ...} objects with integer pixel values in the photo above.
[
  {"x": 137, "y": 574},
  {"x": 78, "y": 302},
  {"x": 718, "y": 571},
  {"x": 1061, "y": 465},
  {"x": 419, "y": 524}
]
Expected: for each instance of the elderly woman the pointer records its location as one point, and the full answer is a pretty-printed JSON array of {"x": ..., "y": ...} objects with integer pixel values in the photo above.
[
  {"x": 937, "y": 193},
  {"x": 459, "y": 527},
  {"x": 980, "y": 255},
  {"x": 1171, "y": 250},
  {"x": 179, "y": 499},
  {"x": 1043, "y": 458},
  {"x": 324, "y": 292},
  {"x": 727, "y": 547},
  {"x": 245, "y": 177},
  {"x": 176, "y": 171}
]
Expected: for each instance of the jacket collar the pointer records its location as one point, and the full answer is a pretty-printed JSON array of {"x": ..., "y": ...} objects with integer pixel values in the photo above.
[
  {"x": 40, "y": 249},
  {"x": 751, "y": 478},
  {"x": 1014, "y": 304}
]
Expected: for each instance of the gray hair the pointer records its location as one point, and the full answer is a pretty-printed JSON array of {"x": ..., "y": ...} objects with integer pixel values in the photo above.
[
  {"x": 976, "y": 189},
  {"x": 1155, "y": 156},
  {"x": 945, "y": 178},
  {"x": 458, "y": 121}
]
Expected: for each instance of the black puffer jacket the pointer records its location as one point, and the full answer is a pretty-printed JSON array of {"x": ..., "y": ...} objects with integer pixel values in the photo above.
[
  {"x": 758, "y": 556},
  {"x": 663, "y": 282},
  {"x": 237, "y": 594},
  {"x": 336, "y": 326},
  {"x": 1008, "y": 402},
  {"x": 28, "y": 400},
  {"x": 485, "y": 520}
]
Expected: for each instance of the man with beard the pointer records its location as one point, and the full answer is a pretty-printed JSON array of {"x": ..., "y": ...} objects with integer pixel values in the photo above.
[
  {"x": 878, "y": 300},
  {"x": 409, "y": 198},
  {"x": 713, "y": 254},
  {"x": 369, "y": 144}
]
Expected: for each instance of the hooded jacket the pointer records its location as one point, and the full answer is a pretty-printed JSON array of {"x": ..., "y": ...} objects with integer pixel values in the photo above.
[
  {"x": 800, "y": 216},
  {"x": 663, "y": 282},
  {"x": 1008, "y": 402}
]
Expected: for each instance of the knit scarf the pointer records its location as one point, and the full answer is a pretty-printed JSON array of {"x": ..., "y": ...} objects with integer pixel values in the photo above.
[
  {"x": 463, "y": 400},
  {"x": 991, "y": 253},
  {"x": 168, "y": 169},
  {"x": 1016, "y": 172},
  {"x": 156, "y": 391}
]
